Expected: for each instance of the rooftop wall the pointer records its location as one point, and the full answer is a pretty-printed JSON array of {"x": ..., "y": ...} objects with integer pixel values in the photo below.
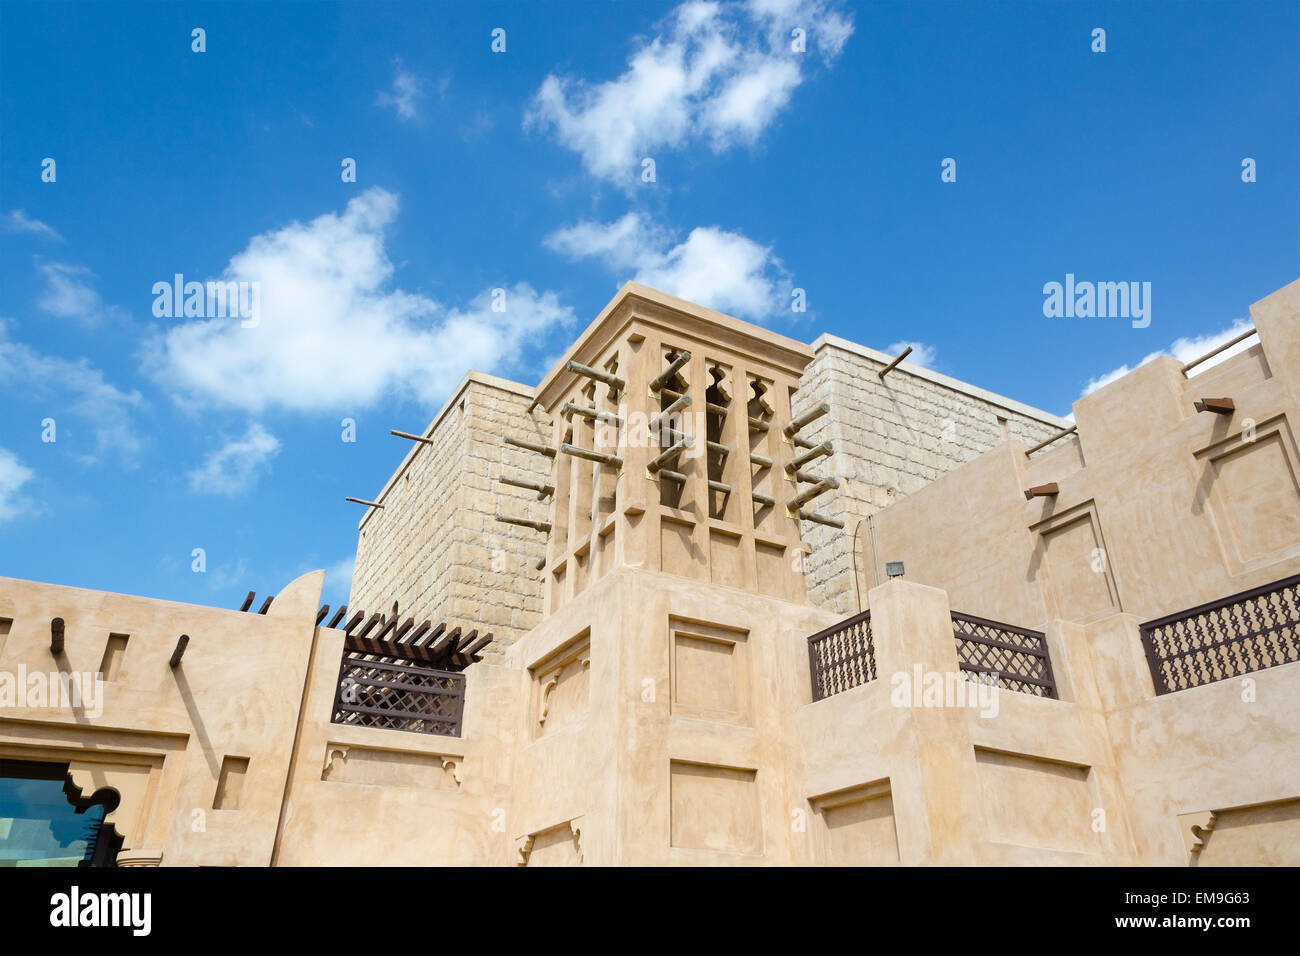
[{"x": 1160, "y": 507}]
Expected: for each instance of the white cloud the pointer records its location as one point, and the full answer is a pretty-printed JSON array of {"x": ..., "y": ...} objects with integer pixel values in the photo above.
[
  {"x": 722, "y": 270},
  {"x": 68, "y": 294},
  {"x": 18, "y": 221},
  {"x": 922, "y": 354},
  {"x": 1184, "y": 350},
  {"x": 338, "y": 579},
  {"x": 82, "y": 390},
  {"x": 717, "y": 72},
  {"x": 13, "y": 475},
  {"x": 406, "y": 92},
  {"x": 236, "y": 465},
  {"x": 333, "y": 335}
]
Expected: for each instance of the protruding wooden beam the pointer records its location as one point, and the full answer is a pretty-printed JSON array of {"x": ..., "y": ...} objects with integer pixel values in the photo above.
[
  {"x": 320, "y": 615},
  {"x": 478, "y": 645},
  {"x": 1215, "y": 351},
  {"x": 761, "y": 460},
  {"x": 248, "y": 601},
  {"x": 447, "y": 643},
  {"x": 1043, "y": 491},
  {"x": 711, "y": 406},
  {"x": 594, "y": 414},
  {"x": 682, "y": 401},
  {"x": 589, "y": 455},
  {"x": 811, "y": 492},
  {"x": 767, "y": 501},
  {"x": 537, "y": 486},
  {"x": 1047, "y": 441},
  {"x": 663, "y": 378},
  {"x": 401, "y": 631},
  {"x": 409, "y": 436},
  {"x": 179, "y": 652},
  {"x": 758, "y": 425},
  {"x": 338, "y": 616},
  {"x": 266, "y": 605},
  {"x": 530, "y": 446},
  {"x": 356, "y": 619},
  {"x": 894, "y": 364},
  {"x": 817, "y": 451},
  {"x": 613, "y": 381},
  {"x": 1220, "y": 406},
  {"x": 363, "y": 501},
  {"x": 419, "y": 632},
  {"x": 814, "y": 413},
  {"x": 56, "y": 636},
  {"x": 665, "y": 456},
  {"x": 432, "y": 637},
  {"x": 369, "y": 625},
  {"x": 544, "y": 526},
  {"x": 807, "y": 477},
  {"x": 821, "y": 519},
  {"x": 387, "y": 629},
  {"x": 541, "y": 563}
]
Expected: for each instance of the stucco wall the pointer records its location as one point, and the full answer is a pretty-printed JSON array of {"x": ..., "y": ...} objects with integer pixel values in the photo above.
[{"x": 1160, "y": 507}]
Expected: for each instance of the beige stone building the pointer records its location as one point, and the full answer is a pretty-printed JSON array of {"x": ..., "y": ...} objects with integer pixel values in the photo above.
[{"x": 645, "y": 613}]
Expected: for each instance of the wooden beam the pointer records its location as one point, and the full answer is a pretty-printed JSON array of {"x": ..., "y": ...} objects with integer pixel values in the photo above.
[
  {"x": 682, "y": 401},
  {"x": 613, "y": 381},
  {"x": 1215, "y": 351},
  {"x": 338, "y": 616},
  {"x": 356, "y": 619},
  {"x": 825, "y": 448},
  {"x": 320, "y": 615},
  {"x": 530, "y": 446},
  {"x": 181, "y": 644},
  {"x": 1047, "y": 441},
  {"x": 587, "y": 453},
  {"x": 408, "y": 435},
  {"x": 662, "y": 379},
  {"x": 894, "y": 364},
  {"x": 1220, "y": 406},
  {"x": 363, "y": 501},
  {"x": 821, "y": 519},
  {"x": 1042, "y": 491},
  {"x": 541, "y": 489},
  {"x": 56, "y": 636},
  {"x": 248, "y": 601},
  {"x": 807, "y": 418},
  {"x": 266, "y": 605},
  {"x": 369, "y": 625},
  {"x": 543, "y": 526}
]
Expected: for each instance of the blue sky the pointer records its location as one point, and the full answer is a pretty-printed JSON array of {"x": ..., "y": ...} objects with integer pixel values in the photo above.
[{"x": 522, "y": 170}]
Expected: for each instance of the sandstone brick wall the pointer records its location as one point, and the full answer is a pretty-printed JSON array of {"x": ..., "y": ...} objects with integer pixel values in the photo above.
[
  {"x": 436, "y": 548},
  {"x": 891, "y": 437}
]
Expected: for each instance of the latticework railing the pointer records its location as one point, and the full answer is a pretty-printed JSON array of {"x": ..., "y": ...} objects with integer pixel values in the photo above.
[
  {"x": 842, "y": 656},
  {"x": 1227, "y": 638},
  {"x": 1016, "y": 658},
  {"x": 399, "y": 696}
]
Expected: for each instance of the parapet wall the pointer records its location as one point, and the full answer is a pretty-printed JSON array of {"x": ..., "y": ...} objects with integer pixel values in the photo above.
[{"x": 1152, "y": 508}]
